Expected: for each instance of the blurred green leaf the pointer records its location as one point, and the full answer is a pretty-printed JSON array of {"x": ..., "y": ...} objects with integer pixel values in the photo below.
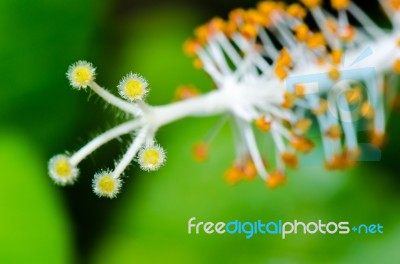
[{"x": 34, "y": 225}]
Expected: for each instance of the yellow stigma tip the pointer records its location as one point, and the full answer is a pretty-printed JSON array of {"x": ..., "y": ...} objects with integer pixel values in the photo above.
[
  {"x": 151, "y": 157},
  {"x": 133, "y": 87},
  {"x": 80, "y": 74},
  {"x": 61, "y": 170},
  {"x": 105, "y": 185}
]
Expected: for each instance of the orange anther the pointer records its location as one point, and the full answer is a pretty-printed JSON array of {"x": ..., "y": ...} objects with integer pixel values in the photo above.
[
  {"x": 262, "y": 124},
  {"x": 334, "y": 74},
  {"x": 334, "y": 132},
  {"x": 340, "y": 4},
  {"x": 290, "y": 159},
  {"x": 197, "y": 63},
  {"x": 336, "y": 56},
  {"x": 200, "y": 151},
  {"x": 248, "y": 31},
  {"x": 395, "y": 4},
  {"x": 297, "y": 11},
  {"x": 301, "y": 31},
  {"x": 233, "y": 175},
  {"x": 249, "y": 170},
  {"x": 302, "y": 125},
  {"x": 284, "y": 59},
  {"x": 321, "y": 109},
  {"x": 377, "y": 138},
  {"x": 302, "y": 144},
  {"x": 316, "y": 40},
  {"x": 201, "y": 34},
  {"x": 185, "y": 92},
  {"x": 190, "y": 47},
  {"x": 281, "y": 73},
  {"x": 276, "y": 179},
  {"x": 311, "y": 3},
  {"x": 300, "y": 90},
  {"x": 237, "y": 15},
  {"x": 288, "y": 100},
  {"x": 396, "y": 66},
  {"x": 367, "y": 110},
  {"x": 353, "y": 96}
]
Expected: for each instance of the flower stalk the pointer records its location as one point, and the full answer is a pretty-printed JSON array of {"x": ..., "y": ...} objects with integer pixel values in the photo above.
[{"x": 274, "y": 73}]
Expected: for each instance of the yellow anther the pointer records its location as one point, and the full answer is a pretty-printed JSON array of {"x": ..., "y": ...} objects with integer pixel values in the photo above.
[
  {"x": 334, "y": 74},
  {"x": 302, "y": 125},
  {"x": 288, "y": 100},
  {"x": 231, "y": 28},
  {"x": 311, "y": 3},
  {"x": 316, "y": 40},
  {"x": 396, "y": 66},
  {"x": 395, "y": 4},
  {"x": 367, "y": 110},
  {"x": 263, "y": 124},
  {"x": 353, "y": 96},
  {"x": 340, "y": 4},
  {"x": 266, "y": 7},
  {"x": 297, "y": 11},
  {"x": 377, "y": 138},
  {"x": 281, "y": 73},
  {"x": 334, "y": 132},
  {"x": 284, "y": 59},
  {"x": 301, "y": 32},
  {"x": 237, "y": 15},
  {"x": 249, "y": 31},
  {"x": 202, "y": 33},
  {"x": 321, "y": 109},
  {"x": 336, "y": 56},
  {"x": 300, "y": 90},
  {"x": 190, "y": 47},
  {"x": 254, "y": 17},
  {"x": 216, "y": 25}
]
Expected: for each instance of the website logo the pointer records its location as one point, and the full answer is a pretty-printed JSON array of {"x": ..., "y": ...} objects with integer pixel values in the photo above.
[{"x": 280, "y": 227}]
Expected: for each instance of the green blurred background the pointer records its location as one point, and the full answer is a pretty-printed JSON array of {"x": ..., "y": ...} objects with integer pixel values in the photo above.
[{"x": 41, "y": 116}]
